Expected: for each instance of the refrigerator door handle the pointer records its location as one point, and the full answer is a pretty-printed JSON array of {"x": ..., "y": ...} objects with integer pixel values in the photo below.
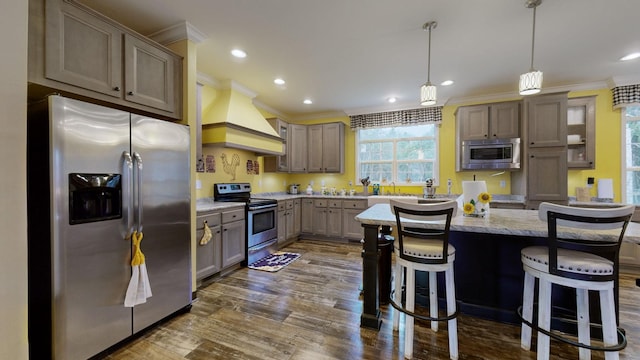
[
  {"x": 138, "y": 163},
  {"x": 127, "y": 171}
]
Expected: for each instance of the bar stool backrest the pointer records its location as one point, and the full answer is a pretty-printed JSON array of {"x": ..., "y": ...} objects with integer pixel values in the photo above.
[
  {"x": 562, "y": 219},
  {"x": 430, "y": 221}
]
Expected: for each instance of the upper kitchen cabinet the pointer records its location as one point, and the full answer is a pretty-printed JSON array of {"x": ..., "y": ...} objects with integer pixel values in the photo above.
[
  {"x": 326, "y": 147},
  {"x": 281, "y": 162},
  {"x": 76, "y": 50},
  {"x": 294, "y": 147},
  {"x": 149, "y": 74},
  {"x": 489, "y": 121},
  {"x": 297, "y": 148},
  {"x": 547, "y": 120},
  {"x": 581, "y": 133}
]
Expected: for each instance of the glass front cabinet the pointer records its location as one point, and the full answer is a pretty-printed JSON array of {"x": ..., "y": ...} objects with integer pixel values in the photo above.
[{"x": 581, "y": 135}]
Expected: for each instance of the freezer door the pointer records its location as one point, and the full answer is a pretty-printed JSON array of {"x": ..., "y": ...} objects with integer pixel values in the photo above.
[
  {"x": 90, "y": 259},
  {"x": 162, "y": 211}
]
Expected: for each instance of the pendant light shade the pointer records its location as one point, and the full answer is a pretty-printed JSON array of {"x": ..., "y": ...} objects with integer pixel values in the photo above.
[
  {"x": 428, "y": 91},
  {"x": 531, "y": 82},
  {"x": 428, "y": 94}
]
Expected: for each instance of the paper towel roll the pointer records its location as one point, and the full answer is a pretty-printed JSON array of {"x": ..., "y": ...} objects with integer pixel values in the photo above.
[
  {"x": 605, "y": 188},
  {"x": 471, "y": 190}
]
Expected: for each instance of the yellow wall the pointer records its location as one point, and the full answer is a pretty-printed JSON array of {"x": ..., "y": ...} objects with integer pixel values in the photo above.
[
  {"x": 607, "y": 157},
  {"x": 13, "y": 182}
]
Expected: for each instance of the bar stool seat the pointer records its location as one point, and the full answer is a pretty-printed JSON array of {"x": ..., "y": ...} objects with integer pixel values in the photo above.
[
  {"x": 583, "y": 264},
  {"x": 422, "y": 244}
]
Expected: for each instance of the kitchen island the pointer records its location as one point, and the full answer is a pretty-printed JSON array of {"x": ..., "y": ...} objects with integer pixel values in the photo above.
[{"x": 488, "y": 271}]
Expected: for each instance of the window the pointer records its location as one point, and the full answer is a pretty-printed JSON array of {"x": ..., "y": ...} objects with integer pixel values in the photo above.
[
  {"x": 631, "y": 154},
  {"x": 399, "y": 154}
]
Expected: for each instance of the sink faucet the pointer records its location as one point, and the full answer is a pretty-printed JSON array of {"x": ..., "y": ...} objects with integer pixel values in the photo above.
[{"x": 394, "y": 187}]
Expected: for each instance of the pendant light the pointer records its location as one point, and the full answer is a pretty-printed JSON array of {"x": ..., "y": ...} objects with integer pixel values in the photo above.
[
  {"x": 428, "y": 91},
  {"x": 531, "y": 82}
]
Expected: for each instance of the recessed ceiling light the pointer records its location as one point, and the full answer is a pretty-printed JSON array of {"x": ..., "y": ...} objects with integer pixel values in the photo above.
[
  {"x": 391, "y": 100},
  {"x": 446, "y": 83},
  {"x": 278, "y": 81},
  {"x": 239, "y": 53},
  {"x": 308, "y": 101},
  {"x": 630, "y": 56}
]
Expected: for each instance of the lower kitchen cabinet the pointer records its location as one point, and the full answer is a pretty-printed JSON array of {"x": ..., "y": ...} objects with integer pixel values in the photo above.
[
  {"x": 297, "y": 217},
  {"x": 282, "y": 223},
  {"x": 208, "y": 257},
  {"x": 288, "y": 221},
  {"x": 319, "y": 217},
  {"x": 630, "y": 256},
  {"x": 233, "y": 237},
  {"x": 226, "y": 247},
  {"x": 334, "y": 218},
  {"x": 306, "y": 216},
  {"x": 351, "y": 228}
]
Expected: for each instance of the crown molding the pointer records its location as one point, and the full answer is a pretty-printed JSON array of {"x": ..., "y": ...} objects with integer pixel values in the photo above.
[
  {"x": 180, "y": 31},
  {"x": 205, "y": 79},
  {"x": 279, "y": 114},
  {"x": 225, "y": 84}
]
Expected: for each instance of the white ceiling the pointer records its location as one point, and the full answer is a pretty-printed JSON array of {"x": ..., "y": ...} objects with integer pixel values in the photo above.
[{"x": 351, "y": 55}]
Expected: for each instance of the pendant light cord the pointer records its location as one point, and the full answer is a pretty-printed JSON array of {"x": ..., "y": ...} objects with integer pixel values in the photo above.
[
  {"x": 533, "y": 36},
  {"x": 429, "y": 58}
]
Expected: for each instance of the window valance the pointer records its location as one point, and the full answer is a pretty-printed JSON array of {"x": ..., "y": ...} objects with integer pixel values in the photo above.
[
  {"x": 401, "y": 117},
  {"x": 627, "y": 95}
]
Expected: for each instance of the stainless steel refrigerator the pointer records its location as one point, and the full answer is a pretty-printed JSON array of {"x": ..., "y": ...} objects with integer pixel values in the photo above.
[{"x": 95, "y": 175}]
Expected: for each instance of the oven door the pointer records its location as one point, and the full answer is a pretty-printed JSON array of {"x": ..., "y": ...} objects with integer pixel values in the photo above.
[{"x": 262, "y": 224}]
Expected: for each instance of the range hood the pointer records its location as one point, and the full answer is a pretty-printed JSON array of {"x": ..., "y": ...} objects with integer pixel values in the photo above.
[{"x": 233, "y": 121}]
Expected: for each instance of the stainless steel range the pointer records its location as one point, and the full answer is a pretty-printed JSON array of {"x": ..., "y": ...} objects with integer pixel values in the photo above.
[{"x": 262, "y": 217}]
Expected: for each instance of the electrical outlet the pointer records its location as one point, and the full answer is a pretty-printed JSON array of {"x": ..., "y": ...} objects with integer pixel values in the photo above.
[
  {"x": 198, "y": 184},
  {"x": 503, "y": 183},
  {"x": 311, "y": 182},
  {"x": 350, "y": 183},
  {"x": 322, "y": 183}
]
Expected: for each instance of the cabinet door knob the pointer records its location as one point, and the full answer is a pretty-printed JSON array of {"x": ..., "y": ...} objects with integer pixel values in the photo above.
[
  {"x": 117, "y": 88},
  {"x": 494, "y": 135},
  {"x": 130, "y": 93},
  {"x": 532, "y": 156},
  {"x": 532, "y": 143}
]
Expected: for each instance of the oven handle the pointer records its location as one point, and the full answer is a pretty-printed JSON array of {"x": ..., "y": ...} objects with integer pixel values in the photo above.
[
  {"x": 262, "y": 207},
  {"x": 263, "y": 245}
]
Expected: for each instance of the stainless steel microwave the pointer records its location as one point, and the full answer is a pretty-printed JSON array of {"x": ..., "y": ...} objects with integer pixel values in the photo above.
[{"x": 491, "y": 154}]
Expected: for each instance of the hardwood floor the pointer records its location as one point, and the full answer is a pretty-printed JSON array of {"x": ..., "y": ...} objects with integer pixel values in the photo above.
[{"x": 311, "y": 310}]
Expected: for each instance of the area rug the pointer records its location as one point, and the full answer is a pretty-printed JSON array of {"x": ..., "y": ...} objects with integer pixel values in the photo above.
[{"x": 275, "y": 261}]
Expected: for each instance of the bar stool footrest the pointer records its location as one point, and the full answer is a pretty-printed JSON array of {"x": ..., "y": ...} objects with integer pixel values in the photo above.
[
  {"x": 622, "y": 339},
  {"x": 401, "y": 308}
]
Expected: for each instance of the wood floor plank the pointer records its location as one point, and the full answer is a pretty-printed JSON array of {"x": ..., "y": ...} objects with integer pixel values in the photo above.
[{"x": 311, "y": 310}]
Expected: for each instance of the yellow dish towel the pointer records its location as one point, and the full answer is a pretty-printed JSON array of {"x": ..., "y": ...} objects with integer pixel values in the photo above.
[
  {"x": 139, "y": 288},
  {"x": 206, "y": 237}
]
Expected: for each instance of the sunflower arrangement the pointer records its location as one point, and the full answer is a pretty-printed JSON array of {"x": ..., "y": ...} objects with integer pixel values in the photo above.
[{"x": 478, "y": 208}]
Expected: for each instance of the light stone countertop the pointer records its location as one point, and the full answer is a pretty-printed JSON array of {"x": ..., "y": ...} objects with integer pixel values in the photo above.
[
  {"x": 207, "y": 204},
  {"x": 499, "y": 221}
]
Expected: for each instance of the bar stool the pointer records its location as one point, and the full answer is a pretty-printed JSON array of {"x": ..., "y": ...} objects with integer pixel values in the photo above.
[
  {"x": 576, "y": 261},
  {"x": 422, "y": 244}
]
